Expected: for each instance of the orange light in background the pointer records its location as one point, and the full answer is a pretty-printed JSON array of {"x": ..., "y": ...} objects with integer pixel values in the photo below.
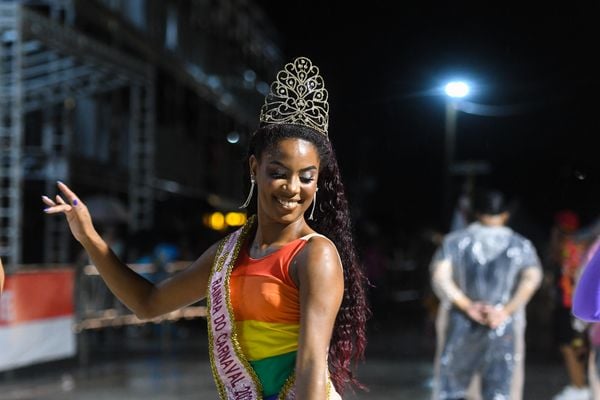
[
  {"x": 219, "y": 221},
  {"x": 235, "y": 218}
]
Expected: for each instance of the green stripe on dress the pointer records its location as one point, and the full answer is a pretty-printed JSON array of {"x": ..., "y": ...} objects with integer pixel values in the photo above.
[{"x": 274, "y": 371}]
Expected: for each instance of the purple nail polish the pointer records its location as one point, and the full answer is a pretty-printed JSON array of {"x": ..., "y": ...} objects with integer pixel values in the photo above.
[
  {"x": 75, "y": 202},
  {"x": 46, "y": 210}
]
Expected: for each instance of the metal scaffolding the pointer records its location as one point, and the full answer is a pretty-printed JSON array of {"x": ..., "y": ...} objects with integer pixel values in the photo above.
[
  {"x": 11, "y": 132},
  {"x": 141, "y": 179},
  {"x": 48, "y": 62},
  {"x": 45, "y": 66}
]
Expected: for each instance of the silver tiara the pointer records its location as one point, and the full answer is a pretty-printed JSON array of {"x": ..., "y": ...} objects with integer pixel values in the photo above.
[{"x": 298, "y": 97}]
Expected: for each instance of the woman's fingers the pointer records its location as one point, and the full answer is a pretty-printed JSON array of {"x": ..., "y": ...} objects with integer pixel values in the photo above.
[
  {"x": 59, "y": 205},
  {"x": 62, "y": 208},
  {"x": 68, "y": 193},
  {"x": 76, "y": 213},
  {"x": 48, "y": 201}
]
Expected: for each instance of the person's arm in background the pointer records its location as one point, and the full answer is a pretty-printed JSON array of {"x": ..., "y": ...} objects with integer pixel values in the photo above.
[
  {"x": 446, "y": 289},
  {"x": 1, "y": 277},
  {"x": 586, "y": 300},
  {"x": 530, "y": 280}
]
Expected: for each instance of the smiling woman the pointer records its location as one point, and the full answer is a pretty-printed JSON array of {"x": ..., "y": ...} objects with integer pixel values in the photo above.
[
  {"x": 287, "y": 171},
  {"x": 285, "y": 294}
]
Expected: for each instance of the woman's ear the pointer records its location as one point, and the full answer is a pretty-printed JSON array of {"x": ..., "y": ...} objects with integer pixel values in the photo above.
[{"x": 253, "y": 165}]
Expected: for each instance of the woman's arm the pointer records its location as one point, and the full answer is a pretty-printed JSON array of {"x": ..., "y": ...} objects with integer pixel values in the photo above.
[
  {"x": 586, "y": 300},
  {"x": 321, "y": 281},
  {"x": 142, "y": 297},
  {"x": 145, "y": 299},
  {"x": 1, "y": 276}
]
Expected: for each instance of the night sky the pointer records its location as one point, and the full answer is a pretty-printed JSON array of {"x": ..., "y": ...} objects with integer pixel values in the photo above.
[{"x": 382, "y": 66}]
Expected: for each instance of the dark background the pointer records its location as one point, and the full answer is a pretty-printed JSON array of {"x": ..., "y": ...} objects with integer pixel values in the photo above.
[{"x": 383, "y": 67}]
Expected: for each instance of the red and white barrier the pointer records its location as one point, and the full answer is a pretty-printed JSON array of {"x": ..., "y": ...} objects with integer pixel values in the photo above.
[{"x": 37, "y": 318}]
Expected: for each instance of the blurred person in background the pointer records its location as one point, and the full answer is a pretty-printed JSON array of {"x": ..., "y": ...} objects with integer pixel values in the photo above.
[
  {"x": 586, "y": 300},
  {"x": 462, "y": 213},
  {"x": 286, "y": 305},
  {"x": 484, "y": 275},
  {"x": 564, "y": 258},
  {"x": 585, "y": 307}
]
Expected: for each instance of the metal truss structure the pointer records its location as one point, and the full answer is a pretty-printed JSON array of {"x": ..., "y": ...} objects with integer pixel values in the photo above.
[{"x": 47, "y": 62}]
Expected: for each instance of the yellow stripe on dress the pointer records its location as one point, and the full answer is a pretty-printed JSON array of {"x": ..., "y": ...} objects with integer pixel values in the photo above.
[{"x": 266, "y": 339}]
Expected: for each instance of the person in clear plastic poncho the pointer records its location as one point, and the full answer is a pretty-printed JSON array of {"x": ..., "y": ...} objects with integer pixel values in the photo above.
[{"x": 484, "y": 275}]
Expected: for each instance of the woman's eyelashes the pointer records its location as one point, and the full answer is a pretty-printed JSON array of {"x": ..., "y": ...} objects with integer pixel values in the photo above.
[
  {"x": 303, "y": 179},
  {"x": 278, "y": 175}
]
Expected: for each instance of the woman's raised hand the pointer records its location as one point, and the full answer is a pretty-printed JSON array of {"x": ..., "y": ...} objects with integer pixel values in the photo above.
[{"x": 77, "y": 214}]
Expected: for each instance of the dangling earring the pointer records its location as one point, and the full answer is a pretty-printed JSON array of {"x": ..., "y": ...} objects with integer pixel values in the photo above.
[
  {"x": 247, "y": 202},
  {"x": 312, "y": 210}
]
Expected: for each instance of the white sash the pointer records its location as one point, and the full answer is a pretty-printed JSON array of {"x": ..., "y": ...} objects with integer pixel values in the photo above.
[{"x": 234, "y": 376}]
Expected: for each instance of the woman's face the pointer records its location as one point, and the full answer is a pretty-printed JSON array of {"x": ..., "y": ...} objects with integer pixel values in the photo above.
[{"x": 286, "y": 178}]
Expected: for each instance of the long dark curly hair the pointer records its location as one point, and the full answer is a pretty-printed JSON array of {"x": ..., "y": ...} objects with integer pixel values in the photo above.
[{"x": 332, "y": 219}]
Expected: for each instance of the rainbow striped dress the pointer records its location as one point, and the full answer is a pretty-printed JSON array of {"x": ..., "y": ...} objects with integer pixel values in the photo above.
[{"x": 266, "y": 305}]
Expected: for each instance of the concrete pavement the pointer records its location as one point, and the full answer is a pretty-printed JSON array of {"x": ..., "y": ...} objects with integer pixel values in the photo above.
[{"x": 132, "y": 367}]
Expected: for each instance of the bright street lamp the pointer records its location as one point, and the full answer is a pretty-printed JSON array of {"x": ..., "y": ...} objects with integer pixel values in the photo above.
[
  {"x": 454, "y": 90},
  {"x": 457, "y": 89}
]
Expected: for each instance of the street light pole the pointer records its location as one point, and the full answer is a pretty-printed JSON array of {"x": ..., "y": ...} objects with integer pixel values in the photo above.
[
  {"x": 454, "y": 90},
  {"x": 449, "y": 143}
]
